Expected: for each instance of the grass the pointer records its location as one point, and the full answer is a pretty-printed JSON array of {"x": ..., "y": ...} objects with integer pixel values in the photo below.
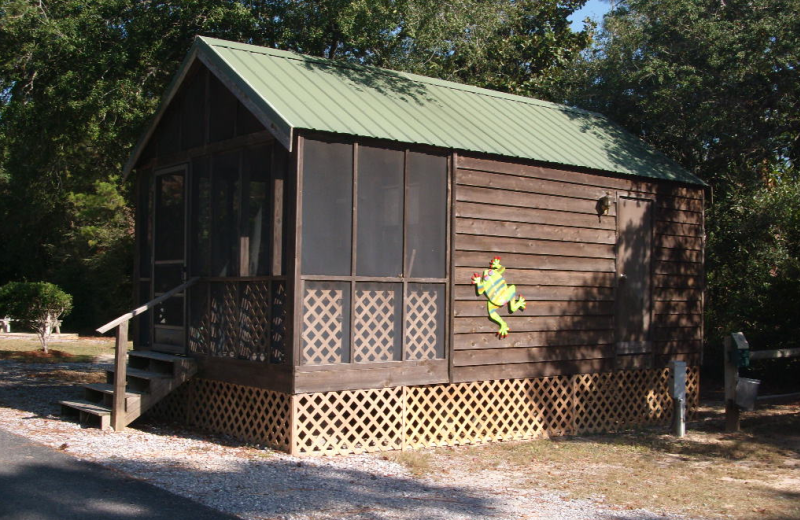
[
  {"x": 754, "y": 474},
  {"x": 417, "y": 462},
  {"x": 83, "y": 350}
]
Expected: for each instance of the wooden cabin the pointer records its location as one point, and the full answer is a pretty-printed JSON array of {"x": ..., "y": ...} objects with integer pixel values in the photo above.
[{"x": 334, "y": 216}]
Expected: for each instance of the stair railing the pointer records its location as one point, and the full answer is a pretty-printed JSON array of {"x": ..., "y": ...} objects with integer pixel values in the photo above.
[{"x": 121, "y": 352}]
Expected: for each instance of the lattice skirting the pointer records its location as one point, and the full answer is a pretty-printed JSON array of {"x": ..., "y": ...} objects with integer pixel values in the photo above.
[{"x": 396, "y": 418}]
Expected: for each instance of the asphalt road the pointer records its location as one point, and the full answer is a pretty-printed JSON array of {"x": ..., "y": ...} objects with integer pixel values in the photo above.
[{"x": 39, "y": 483}]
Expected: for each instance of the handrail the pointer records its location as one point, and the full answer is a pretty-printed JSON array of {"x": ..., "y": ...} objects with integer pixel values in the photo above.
[
  {"x": 149, "y": 305},
  {"x": 121, "y": 352}
]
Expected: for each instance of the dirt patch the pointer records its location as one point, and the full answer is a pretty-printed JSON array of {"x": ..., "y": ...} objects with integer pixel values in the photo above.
[
  {"x": 38, "y": 356},
  {"x": 70, "y": 376},
  {"x": 752, "y": 474}
]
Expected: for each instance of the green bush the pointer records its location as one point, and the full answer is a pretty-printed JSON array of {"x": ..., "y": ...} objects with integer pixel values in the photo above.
[{"x": 35, "y": 304}]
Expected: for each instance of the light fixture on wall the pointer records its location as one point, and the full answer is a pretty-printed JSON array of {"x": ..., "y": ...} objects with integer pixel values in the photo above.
[{"x": 603, "y": 205}]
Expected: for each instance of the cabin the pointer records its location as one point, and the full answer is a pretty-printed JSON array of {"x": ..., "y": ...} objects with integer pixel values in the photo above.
[{"x": 333, "y": 232}]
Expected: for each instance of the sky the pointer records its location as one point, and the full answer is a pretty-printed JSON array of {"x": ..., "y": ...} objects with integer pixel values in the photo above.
[{"x": 594, "y": 9}]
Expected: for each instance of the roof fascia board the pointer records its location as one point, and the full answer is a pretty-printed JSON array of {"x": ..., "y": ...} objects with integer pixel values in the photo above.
[
  {"x": 248, "y": 96},
  {"x": 177, "y": 81}
]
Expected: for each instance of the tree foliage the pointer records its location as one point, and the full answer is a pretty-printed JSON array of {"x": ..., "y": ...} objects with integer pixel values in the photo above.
[
  {"x": 716, "y": 85},
  {"x": 79, "y": 79},
  {"x": 37, "y": 305}
]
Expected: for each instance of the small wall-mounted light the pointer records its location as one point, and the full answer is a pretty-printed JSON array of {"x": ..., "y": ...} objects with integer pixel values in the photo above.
[{"x": 603, "y": 205}]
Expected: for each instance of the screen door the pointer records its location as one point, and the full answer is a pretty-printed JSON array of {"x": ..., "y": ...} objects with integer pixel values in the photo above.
[{"x": 169, "y": 259}]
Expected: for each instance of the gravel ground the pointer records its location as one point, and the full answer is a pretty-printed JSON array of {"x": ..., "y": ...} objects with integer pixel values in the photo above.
[{"x": 262, "y": 484}]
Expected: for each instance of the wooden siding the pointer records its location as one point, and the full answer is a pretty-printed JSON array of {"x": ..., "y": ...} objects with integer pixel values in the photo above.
[{"x": 561, "y": 256}]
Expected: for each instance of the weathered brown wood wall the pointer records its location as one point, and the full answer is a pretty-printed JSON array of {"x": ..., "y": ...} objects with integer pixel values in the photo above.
[{"x": 561, "y": 255}]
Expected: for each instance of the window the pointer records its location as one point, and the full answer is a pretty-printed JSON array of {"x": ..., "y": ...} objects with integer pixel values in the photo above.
[{"x": 373, "y": 292}]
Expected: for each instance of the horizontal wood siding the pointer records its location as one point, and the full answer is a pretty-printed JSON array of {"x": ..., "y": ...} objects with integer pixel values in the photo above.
[
  {"x": 561, "y": 255},
  {"x": 326, "y": 378}
]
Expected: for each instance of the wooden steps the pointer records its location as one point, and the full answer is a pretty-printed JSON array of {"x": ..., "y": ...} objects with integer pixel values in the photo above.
[
  {"x": 150, "y": 377},
  {"x": 86, "y": 412}
]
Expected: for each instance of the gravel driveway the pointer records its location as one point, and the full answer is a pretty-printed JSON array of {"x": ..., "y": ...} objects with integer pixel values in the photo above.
[{"x": 255, "y": 483}]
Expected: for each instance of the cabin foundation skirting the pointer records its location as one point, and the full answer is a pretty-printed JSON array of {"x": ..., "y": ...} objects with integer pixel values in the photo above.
[{"x": 409, "y": 417}]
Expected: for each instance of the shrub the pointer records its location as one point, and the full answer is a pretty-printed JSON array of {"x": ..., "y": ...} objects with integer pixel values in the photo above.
[{"x": 36, "y": 304}]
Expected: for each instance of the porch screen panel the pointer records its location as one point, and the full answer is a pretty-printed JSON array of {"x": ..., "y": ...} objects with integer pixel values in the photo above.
[
  {"x": 426, "y": 216},
  {"x": 255, "y": 238},
  {"x": 144, "y": 222},
  {"x": 201, "y": 218},
  {"x": 327, "y": 208},
  {"x": 225, "y": 215},
  {"x": 193, "y": 113},
  {"x": 143, "y": 320},
  {"x": 169, "y": 131},
  {"x": 199, "y": 323},
  {"x": 169, "y": 312},
  {"x": 380, "y": 212},
  {"x": 222, "y": 113}
]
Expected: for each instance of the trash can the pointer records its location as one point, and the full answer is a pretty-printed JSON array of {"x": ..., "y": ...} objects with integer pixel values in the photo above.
[{"x": 746, "y": 393}]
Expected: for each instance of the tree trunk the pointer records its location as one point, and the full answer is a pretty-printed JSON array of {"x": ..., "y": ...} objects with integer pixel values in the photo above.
[{"x": 43, "y": 328}]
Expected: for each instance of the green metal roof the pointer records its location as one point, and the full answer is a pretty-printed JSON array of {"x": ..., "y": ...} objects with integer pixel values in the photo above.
[{"x": 289, "y": 91}]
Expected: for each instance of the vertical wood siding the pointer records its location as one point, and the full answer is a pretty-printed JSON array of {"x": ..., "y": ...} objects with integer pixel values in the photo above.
[{"x": 561, "y": 256}]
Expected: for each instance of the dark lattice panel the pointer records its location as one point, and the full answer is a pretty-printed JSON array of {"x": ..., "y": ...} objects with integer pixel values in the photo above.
[
  {"x": 175, "y": 406},
  {"x": 424, "y": 322},
  {"x": 354, "y": 421},
  {"x": 235, "y": 319},
  {"x": 324, "y": 323},
  {"x": 377, "y": 322},
  {"x": 246, "y": 413},
  {"x": 254, "y": 310},
  {"x": 224, "y": 319},
  {"x": 199, "y": 320},
  {"x": 278, "y": 323}
]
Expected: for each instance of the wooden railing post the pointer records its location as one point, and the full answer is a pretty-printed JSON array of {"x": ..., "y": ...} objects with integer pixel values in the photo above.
[
  {"x": 118, "y": 411},
  {"x": 731, "y": 379}
]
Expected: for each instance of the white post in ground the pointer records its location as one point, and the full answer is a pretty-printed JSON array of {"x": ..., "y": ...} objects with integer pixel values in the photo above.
[{"x": 677, "y": 387}]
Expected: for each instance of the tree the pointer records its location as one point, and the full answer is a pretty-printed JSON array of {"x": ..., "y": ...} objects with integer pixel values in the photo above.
[
  {"x": 37, "y": 305},
  {"x": 716, "y": 86},
  {"x": 79, "y": 80}
]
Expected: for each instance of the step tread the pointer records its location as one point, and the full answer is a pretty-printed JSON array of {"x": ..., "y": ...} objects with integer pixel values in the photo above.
[
  {"x": 107, "y": 388},
  {"x": 160, "y": 356},
  {"x": 88, "y": 407},
  {"x": 143, "y": 374}
]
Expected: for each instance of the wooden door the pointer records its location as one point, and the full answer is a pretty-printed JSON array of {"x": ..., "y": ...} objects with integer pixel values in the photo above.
[
  {"x": 634, "y": 279},
  {"x": 169, "y": 259}
]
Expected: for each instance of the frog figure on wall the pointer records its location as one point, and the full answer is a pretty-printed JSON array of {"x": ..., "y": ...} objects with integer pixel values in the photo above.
[{"x": 498, "y": 293}]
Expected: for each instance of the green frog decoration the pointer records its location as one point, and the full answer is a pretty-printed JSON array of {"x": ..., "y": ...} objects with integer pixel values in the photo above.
[{"x": 498, "y": 293}]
